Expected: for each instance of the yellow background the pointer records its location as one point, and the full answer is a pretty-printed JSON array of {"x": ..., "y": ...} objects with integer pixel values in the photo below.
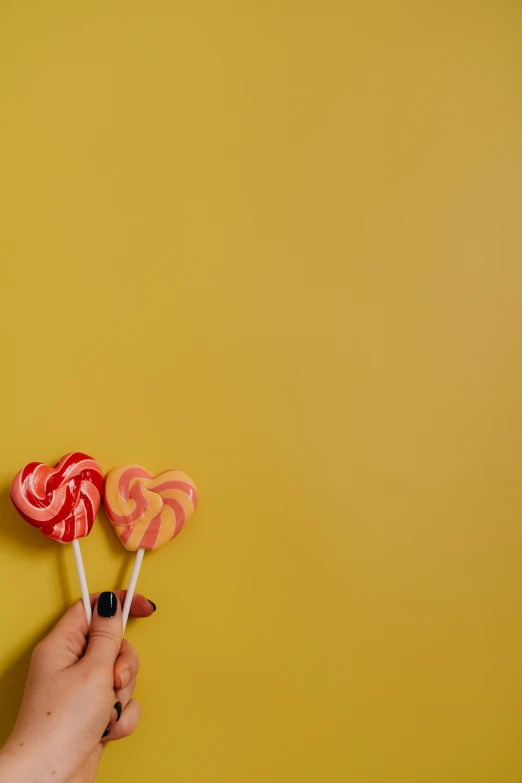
[{"x": 277, "y": 244}]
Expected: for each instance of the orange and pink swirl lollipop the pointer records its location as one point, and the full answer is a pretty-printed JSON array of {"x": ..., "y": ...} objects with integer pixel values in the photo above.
[
  {"x": 147, "y": 511},
  {"x": 62, "y": 501}
]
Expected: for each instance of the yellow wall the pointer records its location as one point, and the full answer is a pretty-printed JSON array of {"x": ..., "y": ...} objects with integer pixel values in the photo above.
[{"x": 278, "y": 244}]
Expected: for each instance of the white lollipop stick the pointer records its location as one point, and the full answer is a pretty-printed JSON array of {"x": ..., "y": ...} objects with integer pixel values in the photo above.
[
  {"x": 83, "y": 581},
  {"x": 132, "y": 586}
]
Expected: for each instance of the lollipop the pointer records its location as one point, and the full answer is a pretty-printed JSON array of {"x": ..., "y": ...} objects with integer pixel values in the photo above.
[
  {"x": 147, "y": 511},
  {"x": 62, "y": 502}
]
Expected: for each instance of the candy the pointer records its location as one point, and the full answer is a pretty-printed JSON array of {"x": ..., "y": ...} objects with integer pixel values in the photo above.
[
  {"x": 61, "y": 501},
  {"x": 148, "y": 511}
]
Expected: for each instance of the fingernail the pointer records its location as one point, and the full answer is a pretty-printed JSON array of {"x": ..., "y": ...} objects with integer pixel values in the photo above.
[
  {"x": 152, "y": 604},
  {"x": 118, "y": 709},
  {"x": 125, "y": 677},
  {"x": 107, "y": 605},
  {"x": 105, "y": 732}
]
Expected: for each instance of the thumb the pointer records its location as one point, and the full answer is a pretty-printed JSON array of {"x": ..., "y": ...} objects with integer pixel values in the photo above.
[{"x": 106, "y": 632}]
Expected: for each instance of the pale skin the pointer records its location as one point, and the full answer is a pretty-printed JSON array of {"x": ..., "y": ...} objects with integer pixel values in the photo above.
[{"x": 75, "y": 680}]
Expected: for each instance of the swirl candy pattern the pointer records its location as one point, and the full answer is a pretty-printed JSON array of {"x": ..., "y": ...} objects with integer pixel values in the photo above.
[
  {"x": 148, "y": 511},
  {"x": 62, "y": 501}
]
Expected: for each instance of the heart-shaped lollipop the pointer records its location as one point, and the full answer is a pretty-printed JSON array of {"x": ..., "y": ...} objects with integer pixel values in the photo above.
[
  {"x": 147, "y": 511},
  {"x": 62, "y": 501}
]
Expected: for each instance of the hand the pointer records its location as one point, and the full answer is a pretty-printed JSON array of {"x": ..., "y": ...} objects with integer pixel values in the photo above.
[{"x": 77, "y": 696}]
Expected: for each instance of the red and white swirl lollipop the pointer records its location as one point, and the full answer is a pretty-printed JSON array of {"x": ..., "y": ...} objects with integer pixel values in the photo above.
[
  {"x": 62, "y": 501},
  {"x": 147, "y": 511}
]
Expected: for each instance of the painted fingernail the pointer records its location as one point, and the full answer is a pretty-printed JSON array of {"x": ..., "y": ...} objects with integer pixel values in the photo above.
[
  {"x": 107, "y": 605},
  {"x": 118, "y": 709},
  {"x": 105, "y": 732},
  {"x": 152, "y": 604}
]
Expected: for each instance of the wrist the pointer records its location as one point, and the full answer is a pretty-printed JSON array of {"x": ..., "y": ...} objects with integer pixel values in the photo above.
[{"x": 19, "y": 761}]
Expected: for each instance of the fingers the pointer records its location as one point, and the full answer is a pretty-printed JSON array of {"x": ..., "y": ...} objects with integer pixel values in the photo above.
[
  {"x": 74, "y": 619},
  {"x": 106, "y": 632},
  {"x": 127, "y": 665},
  {"x": 127, "y": 723},
  {"x": 125, "y": 672},
  {"x": 140, "y": 607},
  {"x": 123, "y": 698},
  {"x": 66, "y": 643},
  {"x": 68, "y": 637}
]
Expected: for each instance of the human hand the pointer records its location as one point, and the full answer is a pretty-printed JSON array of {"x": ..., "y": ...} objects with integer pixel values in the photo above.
[{"x": 79, "y": 686}]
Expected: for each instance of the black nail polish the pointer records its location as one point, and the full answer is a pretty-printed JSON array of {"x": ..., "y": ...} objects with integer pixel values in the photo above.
[
  {"x": 118, "y": 709},
  {"x": 107, "y": 605},
  {"x": 105, "y": 732},
  {"x": 152, "y": 604}
]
